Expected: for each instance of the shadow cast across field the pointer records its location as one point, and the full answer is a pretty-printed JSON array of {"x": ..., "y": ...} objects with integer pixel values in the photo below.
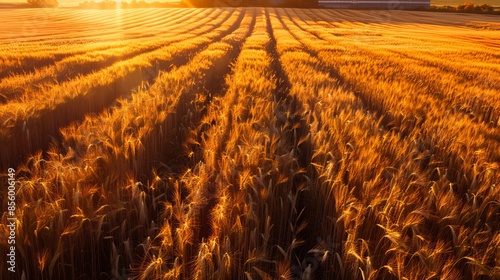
[
  {"x": 430, "y": 152},
  {"x": 387, "y": 120},
  {"x": 31, "y": 66},
  {"x": 186, "y": 116},
  {"x": 394, "y": 15},
  {"x": 166, "y": 144},
  {"x": 293, "y": 125},
  {"x": 45, "y": 127},
  {"x": 94, "y": 250},
  {"x": 60, "y": 68}
]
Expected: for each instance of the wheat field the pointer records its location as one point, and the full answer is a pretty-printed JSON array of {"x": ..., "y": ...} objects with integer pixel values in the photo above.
[{"x": 250, "y": 143}]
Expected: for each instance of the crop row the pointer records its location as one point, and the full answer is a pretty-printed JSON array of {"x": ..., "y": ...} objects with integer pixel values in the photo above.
[
  {"x": 242, "y": 189},
  {"x": 27, "y": 85},
  {"x": 102, "y": 212},
  {"x": 35, "y": 121},
  {"x": 471, "y": 90},
  {"x": 444, "y": 160},
  {"x": 20, "y": 57},
  {"x": 347, "y": 157}
]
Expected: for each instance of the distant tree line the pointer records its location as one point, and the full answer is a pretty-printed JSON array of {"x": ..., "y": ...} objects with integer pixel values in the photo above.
[
  {"x": 108, "y": 4},
  {"x": 250, "y": 3},
  {"x": 467, "y": 7},
  {"x": 43, "y": 3},
  {"x": 113, "y": 4}
]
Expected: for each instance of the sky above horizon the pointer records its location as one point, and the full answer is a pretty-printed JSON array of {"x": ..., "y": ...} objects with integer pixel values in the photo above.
[{"x": 69, "y": 3}]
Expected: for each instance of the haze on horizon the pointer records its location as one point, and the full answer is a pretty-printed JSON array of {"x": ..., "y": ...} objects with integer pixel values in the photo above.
[
  {"x": 73, "y": 3},
  {"x": 70, "y": 3}
]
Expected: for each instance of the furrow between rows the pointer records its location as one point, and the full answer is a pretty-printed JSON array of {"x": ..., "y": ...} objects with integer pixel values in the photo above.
[
  {"x": 26, "y": 59},
  {"x": 409, "y": 113},
  {"x": 34, "y": 123},
  {"x": 120, "y": 146},
  {"x": 432, "y": 156},
  {"x": 470, "y": 92},
  {"x": 24, "y": 87}
]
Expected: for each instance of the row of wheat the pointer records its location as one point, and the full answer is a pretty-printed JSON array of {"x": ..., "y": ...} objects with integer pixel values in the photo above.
[
  {"x": 92, "y": 217},
  {"x": 424, "y": 188},
  {"x": 33, "y": 119},
  {"x": 26, "y": 86},
  {"x": 46, "y": 54}
]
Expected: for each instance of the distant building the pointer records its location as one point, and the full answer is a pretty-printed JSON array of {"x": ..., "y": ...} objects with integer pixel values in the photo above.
[{"x": 375, "y": 4}]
